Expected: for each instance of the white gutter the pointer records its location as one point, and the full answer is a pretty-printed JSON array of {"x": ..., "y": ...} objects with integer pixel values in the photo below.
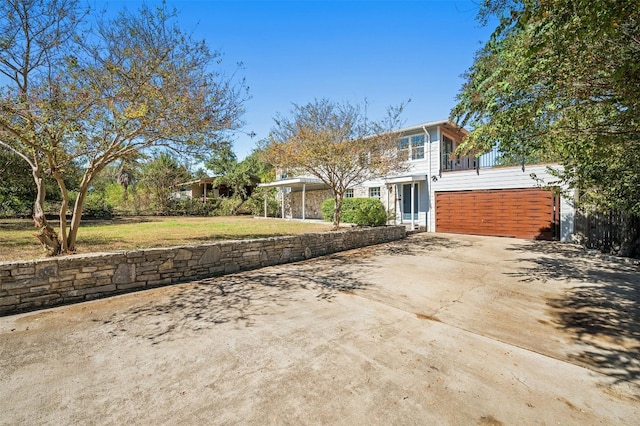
[{"x": 428, "y": 178}]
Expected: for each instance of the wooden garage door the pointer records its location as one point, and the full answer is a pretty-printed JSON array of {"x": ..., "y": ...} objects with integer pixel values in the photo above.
[{"x": 521, "y": 213}]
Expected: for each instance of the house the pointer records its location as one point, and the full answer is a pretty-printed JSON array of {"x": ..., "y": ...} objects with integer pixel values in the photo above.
[
  {"x": 444, "y": 192},
  {"x": 207, "y": 189}
]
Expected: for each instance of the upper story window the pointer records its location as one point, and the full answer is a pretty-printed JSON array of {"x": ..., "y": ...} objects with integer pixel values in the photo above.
[
  {"x": 417, "y": 147},
  {"x": 403, "y": 147},
  {"x": 412, "y": 147},
  {"x": 374, "y": 192},
  {"x": 348, "y": 193},
  {"x": 447, "y": 153}
]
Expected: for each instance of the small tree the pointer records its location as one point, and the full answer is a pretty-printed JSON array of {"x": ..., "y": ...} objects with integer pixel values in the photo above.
[
  {"x": 337, "y": 144},
  {"x": 160, "y": 177},
  {"x": 238, "y": 175}
]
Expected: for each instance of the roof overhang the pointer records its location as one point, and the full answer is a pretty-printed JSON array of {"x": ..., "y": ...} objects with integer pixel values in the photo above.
[
  {"x": 308, "y": 183},
  {"x": 406, "y": 179},
  {"x": 446, "y": 124}
]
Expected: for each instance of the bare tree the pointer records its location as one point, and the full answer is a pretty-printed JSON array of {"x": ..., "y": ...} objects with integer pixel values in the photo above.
[{"x": 337, "y": 144}]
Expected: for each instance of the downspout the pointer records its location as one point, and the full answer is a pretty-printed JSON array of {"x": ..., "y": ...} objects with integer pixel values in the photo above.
[{"x": 428, "y": 136}]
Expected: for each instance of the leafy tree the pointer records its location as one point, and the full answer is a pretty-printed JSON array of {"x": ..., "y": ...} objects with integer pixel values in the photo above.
[
  {"x": 337, "y": 144},
  {"x": 561, "y": 80},
  {"x": 160, "y": 178},
  {"x": 239, "y": 175},
  {"x": 16, "y": 187},
  {"x": 134, "y": 82},
  {"x": 223, "y": 159}
]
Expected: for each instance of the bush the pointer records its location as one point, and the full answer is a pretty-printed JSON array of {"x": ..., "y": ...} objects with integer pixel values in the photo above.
[
  {"x": 193, "y": 207},
  {"x": 226, "y": 205},
  {"x": 96, "y": 207},
  {"x": 359, "y": 211},
  {"x": 255, "y": 203}
]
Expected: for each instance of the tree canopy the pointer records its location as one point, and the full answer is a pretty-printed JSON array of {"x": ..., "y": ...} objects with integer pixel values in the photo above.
[
  {"x": 240, "y": 177},
  {"x": 336, "y": 143},
  {"x": 560, "y": 80},
  {"x": 97, "y": 94}
]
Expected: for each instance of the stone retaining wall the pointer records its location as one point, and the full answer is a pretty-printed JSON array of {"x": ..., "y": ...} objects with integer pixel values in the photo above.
[{"x": 48, "y": 282}]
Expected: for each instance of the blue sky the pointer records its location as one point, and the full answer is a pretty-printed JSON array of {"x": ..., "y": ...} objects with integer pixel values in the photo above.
[{"x": 295, "y": 51}]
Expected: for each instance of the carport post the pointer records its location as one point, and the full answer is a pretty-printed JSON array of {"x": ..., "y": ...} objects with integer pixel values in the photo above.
[
  {"x": 266, "y": 193},
  {"x": 304, "y": 186},
  {"x": 283, "y": 193}
]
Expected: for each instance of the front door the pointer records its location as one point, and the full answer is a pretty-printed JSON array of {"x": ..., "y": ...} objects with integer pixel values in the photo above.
[{"x": 406, "y": 202}]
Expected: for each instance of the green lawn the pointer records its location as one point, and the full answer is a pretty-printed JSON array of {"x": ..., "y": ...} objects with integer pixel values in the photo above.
[{"x": 17, "y": 240}]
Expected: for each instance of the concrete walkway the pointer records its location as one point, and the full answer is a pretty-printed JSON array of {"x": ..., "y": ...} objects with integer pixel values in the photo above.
[{"x": 436, "y": 329}]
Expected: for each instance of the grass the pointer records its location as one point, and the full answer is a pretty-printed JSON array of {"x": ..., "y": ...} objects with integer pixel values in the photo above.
[{"x": 17, "y": 240}]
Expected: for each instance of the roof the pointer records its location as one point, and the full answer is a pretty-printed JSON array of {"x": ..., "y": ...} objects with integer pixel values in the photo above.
[
  {"x": 211, "y": 179},
  {"x": 202, "y": 180},
  {"x": 448, "y": 124},
  {"x": 297, "y": 182}
]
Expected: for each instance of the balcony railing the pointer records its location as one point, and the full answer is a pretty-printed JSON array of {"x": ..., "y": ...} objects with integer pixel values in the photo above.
[
  {"x": 493, "y": 158},
  {"x": 452, "y": 162}
]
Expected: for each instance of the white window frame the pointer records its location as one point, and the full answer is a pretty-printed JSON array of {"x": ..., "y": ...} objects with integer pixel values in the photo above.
[
  {"x": 415, "y": 147},
  {"x": 373, "y": 190},
  {"x": 348, "y": 193},
  {"x": 410, "y": 145}
]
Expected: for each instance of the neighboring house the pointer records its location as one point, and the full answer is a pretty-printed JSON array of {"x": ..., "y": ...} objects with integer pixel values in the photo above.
[
  {"x": 443, "y": 192},
  {"x": 207, "y": 189}
]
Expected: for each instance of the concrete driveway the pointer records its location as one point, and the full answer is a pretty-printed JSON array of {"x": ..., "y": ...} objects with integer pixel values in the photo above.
[{"x": 435, "y": 329}]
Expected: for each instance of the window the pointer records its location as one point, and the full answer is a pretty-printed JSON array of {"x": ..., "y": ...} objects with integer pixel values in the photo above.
[
  {"x": 374, "y": 192},
  {"x": 348, "y": 193},
  {"x": 403, "y": 148},
  {"x": 447, "y": 153},
  {"x": 412, "y": 147},
  {"x": 417, "y": 147}
]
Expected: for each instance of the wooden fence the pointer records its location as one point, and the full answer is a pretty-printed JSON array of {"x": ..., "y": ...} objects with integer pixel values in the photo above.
[{"x": 611, "y": 232}]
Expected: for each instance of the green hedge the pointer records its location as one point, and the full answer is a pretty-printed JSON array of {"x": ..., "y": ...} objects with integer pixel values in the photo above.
[{"x": 360, "y": 211}]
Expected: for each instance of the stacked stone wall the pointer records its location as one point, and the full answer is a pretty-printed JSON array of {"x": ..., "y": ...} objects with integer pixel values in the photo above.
[{"x": 27, "y": 285}]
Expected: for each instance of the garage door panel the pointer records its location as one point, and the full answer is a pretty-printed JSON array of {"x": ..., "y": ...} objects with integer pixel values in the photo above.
[{"x": 521, "y": 213}]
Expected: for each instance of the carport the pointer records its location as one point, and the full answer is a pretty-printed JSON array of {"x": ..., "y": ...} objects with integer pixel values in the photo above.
[{"x": 286, "y": 186}]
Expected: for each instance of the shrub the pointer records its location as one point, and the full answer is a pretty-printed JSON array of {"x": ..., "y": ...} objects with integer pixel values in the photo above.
[
  {"x": 96, "y": 207},
  {"x": 255, "y": 203},
  {"x": 226, "y": 205},
  {"x": 359, "y": 211}
]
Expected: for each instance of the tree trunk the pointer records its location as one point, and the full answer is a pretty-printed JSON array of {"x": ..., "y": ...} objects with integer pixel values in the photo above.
[
  {"x": 235, "y": 209},
  {"x": 63, "y": 212},
  {"x": 46, "y": 235},
  {"x": 337, "y": 211},
  {"x": 76, "y": 215}
]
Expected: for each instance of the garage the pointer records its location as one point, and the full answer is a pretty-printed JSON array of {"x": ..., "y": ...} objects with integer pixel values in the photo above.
[{"x": 530, "y": 213}]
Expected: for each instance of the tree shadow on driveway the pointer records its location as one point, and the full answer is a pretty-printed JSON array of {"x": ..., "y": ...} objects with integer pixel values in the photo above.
[
  {"x": 238, "y": 298},
  {"x": 245, "y": 297},
  {"x": 600, "y": 309}
]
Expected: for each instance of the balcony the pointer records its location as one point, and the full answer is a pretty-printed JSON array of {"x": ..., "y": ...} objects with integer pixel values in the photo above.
[{"x": 452, "y": 162}]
